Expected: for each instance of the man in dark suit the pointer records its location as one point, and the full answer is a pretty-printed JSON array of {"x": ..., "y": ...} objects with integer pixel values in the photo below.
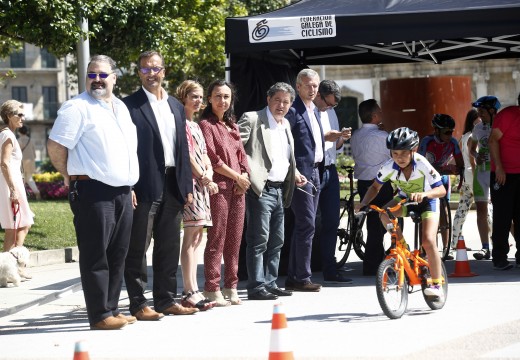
[
  {"x": 164, "y": 186},
  {"x": 304, "y": 119}
]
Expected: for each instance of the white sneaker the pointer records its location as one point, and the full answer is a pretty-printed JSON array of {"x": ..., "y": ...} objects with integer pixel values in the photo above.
[{"x": 434, "y": 291}]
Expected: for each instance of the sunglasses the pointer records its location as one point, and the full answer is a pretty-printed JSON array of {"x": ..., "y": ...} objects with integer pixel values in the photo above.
[
  {"x": 313, "y": 190},
  {"x": 19, "y": 115},
  {"x": 147, "y": 70},
  {"x": 93, "y": 75}
]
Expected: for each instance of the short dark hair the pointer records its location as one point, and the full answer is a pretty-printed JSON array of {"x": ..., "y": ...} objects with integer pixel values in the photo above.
[
  {"x": 328, "y": 87},
  {"x": 148, "y": 54},
  {"x": 103, "y": 59},
  {"x": 366, "y": 109},
  {"x": 283, "y": 87}
]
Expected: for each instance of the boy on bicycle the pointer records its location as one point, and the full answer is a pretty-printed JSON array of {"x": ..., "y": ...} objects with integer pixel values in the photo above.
[
  {"x": 439, "y": 149},
  {"x": 417, "y": 180}
]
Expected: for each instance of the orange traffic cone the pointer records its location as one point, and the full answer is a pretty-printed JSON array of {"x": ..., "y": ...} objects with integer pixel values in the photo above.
[
  {"x": 80, "y": 351},
  {"x": 279, "y": 348},
  {"x": 461, "y": 263}
]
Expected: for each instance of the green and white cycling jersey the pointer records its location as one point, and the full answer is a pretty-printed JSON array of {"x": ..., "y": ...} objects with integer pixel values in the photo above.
[
  {"x": 480, "y": 134},
  {"x": 423, "y": 178}
]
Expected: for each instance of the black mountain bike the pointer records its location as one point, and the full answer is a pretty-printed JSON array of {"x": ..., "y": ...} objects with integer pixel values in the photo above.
[{"x": 350, "y": 230}]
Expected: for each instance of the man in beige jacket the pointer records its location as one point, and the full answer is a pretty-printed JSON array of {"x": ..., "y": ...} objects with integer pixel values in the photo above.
[{"x": 269, "y": 145}]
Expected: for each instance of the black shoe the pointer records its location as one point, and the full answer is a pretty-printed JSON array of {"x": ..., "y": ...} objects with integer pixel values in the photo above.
[
  {"x": 503, "y": 265},
  {"x": 337, "y": 279},
  {"x": 280, "y": 292},
  {"x": 306, "y": 286},
  {"x": 262, "y": 295}
]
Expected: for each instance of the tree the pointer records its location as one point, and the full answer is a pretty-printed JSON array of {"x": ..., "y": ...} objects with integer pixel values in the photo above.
[{"x": 189, "y": 33}]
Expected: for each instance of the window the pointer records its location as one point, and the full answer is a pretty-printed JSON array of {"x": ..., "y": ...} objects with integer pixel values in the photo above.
[
  {"x": 50, "y": 102},
  {"x": 19, "y": 93},
  {"x": 18, "y": 58},
  {"x": 48, "y": 60}
]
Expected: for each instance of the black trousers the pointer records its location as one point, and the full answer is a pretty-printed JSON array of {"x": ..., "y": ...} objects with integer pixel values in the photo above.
[
  {"x": 374, "y": 249},
  {"x": 103, "y": 220},
  {"x": 166, "y": 248},
  {"x": 506, "y": 210}
]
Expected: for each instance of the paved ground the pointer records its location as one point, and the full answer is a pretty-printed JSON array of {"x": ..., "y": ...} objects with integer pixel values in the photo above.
[{"x": 44, "y": 317}]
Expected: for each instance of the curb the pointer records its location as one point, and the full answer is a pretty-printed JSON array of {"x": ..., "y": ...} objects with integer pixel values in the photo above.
[
  {"x": 55, "y": 256},
  {"x": 42, "y": 300}
]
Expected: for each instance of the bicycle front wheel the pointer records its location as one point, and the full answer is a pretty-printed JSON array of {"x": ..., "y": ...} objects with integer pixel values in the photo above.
[
  {"x": 445, "y": 227},
  {"x": 437, "y": 303},
  {"x": 392, "y": 297}
]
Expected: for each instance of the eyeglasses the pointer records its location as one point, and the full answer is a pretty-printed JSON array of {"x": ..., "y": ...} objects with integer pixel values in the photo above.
[
  {"x": 93, "y": 75},
  {"x": 146, "y": 70},
  {"x": 19, "y": 115},
  {"x": 332, "y": 106},
  {"x": 313, "y": 189}
]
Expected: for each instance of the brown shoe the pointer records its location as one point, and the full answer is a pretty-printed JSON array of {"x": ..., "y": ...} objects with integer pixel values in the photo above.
[
  {"x": 147, "y": 314},
  {"x": 129, "y": 319},
  {"x": 110, "y": 323},
  {"x": 177, "y": 309},
  {"x": 306, "y": 286}
]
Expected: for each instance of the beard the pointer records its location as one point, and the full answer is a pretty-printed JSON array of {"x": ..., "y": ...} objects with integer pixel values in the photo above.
[{"x": 98, "y": 93}]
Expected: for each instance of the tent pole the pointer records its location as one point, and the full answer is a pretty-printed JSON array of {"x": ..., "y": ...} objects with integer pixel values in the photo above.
[{"x": 228, "y": 68}]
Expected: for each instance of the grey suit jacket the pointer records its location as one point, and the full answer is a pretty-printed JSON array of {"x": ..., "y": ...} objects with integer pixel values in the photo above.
[{"x": 256, "y": 137}]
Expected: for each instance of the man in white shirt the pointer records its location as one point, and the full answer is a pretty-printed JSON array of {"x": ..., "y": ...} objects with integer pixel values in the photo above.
[
  {"x": 329, "y": 95},
  {"x": 269, "y": 146},
  {"x": 93, "y": 144},
  {"x": 163, "y": 189},
  {"x": 369, "y": 151}
]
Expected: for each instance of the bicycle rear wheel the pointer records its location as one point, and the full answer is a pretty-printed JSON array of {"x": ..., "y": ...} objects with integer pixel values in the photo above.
[
  {"x": 445, "y": 225},
  {"x": 392, "y": 298},
  {"x": 437, "y": 303},
  {"x": 358, "y": 237},
  {"x": 344, "y": 243}
]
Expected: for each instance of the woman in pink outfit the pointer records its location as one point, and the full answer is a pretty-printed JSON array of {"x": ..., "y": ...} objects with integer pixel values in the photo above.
[{"x": 229, "y": 162}]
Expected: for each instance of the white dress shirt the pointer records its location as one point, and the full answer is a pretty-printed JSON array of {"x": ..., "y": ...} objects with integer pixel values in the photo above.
[
  {"x": 280, "y": 152},
  {"x": 329, "y": 121},
  {"x": 316, "y": 134},
  {"x": 101, "y": 138},
  {"x": 165, "y": 123},
  {"x": 369, "y": 151}
]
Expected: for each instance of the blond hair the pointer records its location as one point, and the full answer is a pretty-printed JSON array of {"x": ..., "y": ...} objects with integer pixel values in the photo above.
[
  {"x": 185, "y": 88},
  {"x": 9, "y": 108}
]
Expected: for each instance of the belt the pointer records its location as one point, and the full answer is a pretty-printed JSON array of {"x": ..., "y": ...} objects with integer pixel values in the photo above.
[
  {"x": 316, "y": 165},
  {"x": 274, "y": 184},
  {"x": 327, "y": 167},
  {"x": 79, "y": 177}
]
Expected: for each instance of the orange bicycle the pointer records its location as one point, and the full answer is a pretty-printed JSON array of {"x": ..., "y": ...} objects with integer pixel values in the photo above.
[{"x": 403, "y": 269}]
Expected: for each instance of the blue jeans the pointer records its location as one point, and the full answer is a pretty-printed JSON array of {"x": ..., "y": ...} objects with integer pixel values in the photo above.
[
  {"x": 264, "y": 238},
  {"x": 329, "y": 209}
]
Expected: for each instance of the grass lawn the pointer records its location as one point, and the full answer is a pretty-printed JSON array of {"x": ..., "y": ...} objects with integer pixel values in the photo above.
[{"x": 53, "y": 228}]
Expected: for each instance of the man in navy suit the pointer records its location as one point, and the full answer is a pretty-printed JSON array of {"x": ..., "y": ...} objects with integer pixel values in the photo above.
[
  {"x": 164, "y": 187},
  {"x": 304, "y": 119}
]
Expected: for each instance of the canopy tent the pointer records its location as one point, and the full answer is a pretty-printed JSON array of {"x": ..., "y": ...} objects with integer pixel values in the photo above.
[{"x": 273, "y": 47}]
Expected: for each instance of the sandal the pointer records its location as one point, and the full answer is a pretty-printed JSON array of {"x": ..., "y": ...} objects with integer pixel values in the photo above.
[
  {"x": 217, "y": 297},
  {"x": 206, "y": 300},
  {"x": 232, "y": 294},
  {"x": 190, "y": 301}
]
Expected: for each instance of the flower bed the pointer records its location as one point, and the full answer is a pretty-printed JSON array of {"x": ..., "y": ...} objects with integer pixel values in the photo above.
[{"x": 51, "y": 186}]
